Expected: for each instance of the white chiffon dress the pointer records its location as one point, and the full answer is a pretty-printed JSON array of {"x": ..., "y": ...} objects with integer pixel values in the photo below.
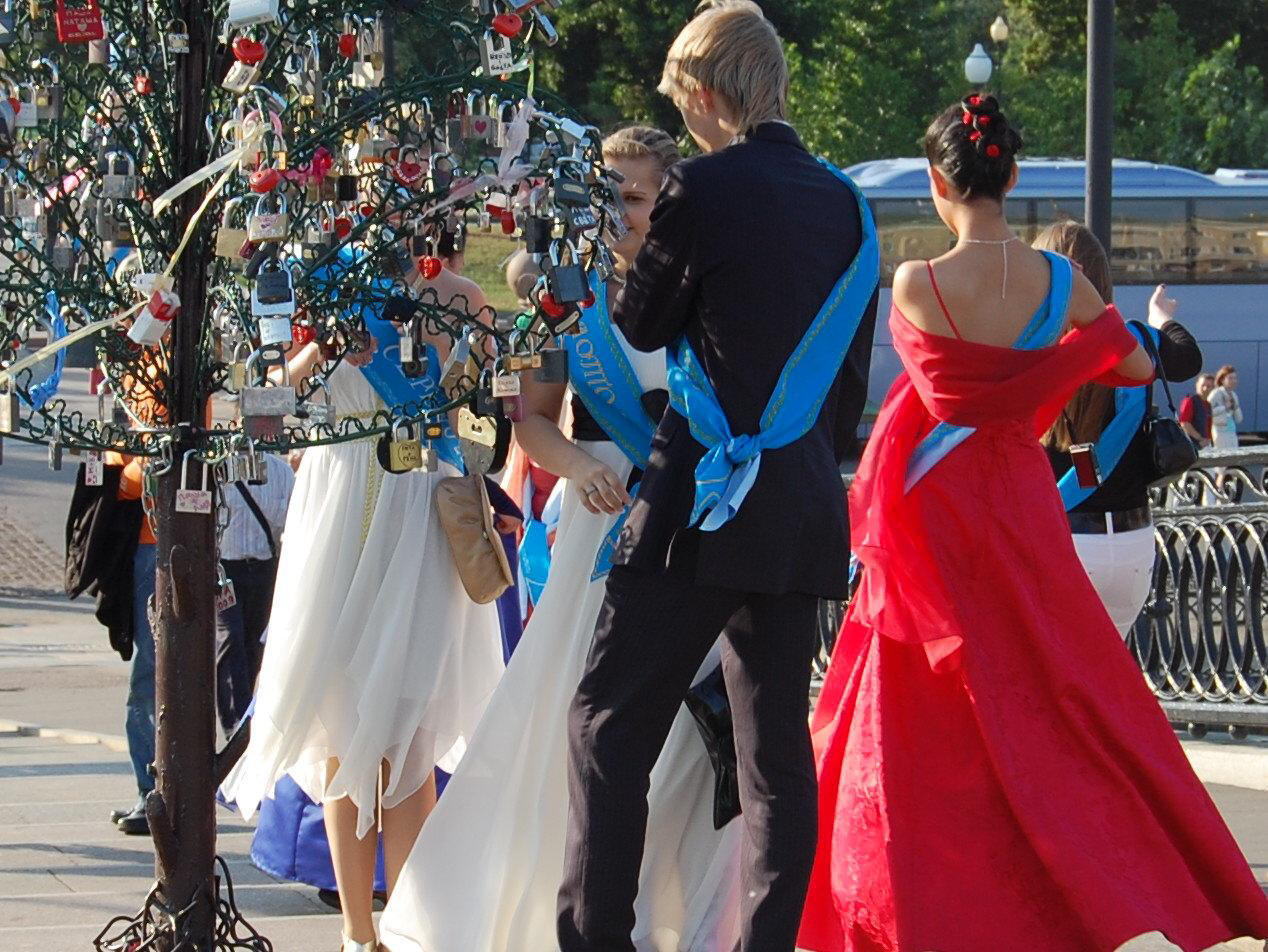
[
  {"x": 484, "y": 873},
  {"x": 374, "y": 651}
]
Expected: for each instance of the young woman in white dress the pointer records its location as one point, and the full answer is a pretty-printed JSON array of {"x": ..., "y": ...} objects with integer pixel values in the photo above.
[
  {"x": 377, "y": 665},
  {"x": 485, "y": 871}
]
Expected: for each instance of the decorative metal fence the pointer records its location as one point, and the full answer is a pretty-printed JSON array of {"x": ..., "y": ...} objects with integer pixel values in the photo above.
[{"x": 1202, "y": 639}]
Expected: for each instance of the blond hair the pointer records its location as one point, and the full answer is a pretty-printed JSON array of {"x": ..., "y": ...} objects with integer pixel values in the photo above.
[
  {"x": 642, "y": 142},
  {"x": 732, "y": 50}
]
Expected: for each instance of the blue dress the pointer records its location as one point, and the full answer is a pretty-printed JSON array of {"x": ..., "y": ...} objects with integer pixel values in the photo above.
[{"x": 290, "y": 837}]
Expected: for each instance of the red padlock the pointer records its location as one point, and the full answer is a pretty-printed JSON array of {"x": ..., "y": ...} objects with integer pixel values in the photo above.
[
  {"x": 409, "y": 172},
  {"x": 508, "y": 222},
  {"x": 143, "y": 84},
  {"x": 366, "y": 209},
  {"x": 429, "y": 266},
  {"x": 249, "y": 51},
  {"x": 79, "y": 24},
  {"x": 552, "y": 308},
  {"x": 264, "y": 180},
  {"x": 348, "y": 45},
  {"x": 302, "y": 334},
  {"x": 508, "y": 24},
  {"x": 588, "y": 302},
  {"x": 343, "y": 225}
]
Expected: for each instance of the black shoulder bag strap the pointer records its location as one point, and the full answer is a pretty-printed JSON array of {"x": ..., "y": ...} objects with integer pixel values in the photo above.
[{"x": 259, "y": 516}]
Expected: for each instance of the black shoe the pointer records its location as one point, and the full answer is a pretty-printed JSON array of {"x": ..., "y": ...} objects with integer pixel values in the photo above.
[
  {"x": 117, "y": 815},
  {"x": 135, "y": 823},
  {"x": 331, "y": 898}
]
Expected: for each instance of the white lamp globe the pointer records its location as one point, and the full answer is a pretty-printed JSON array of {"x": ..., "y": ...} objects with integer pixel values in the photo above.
[
  {"x": 999, "y": 30},
  {"x": 978, "y": 67}
]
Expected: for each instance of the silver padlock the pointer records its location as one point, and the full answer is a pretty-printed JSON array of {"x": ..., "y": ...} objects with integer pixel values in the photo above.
[
  {"x": 119, "y": 180},
  {"x": 48, "y": 95},
  {"x": 320, "y": 414},
  {"x": 10, "y": 420},
  {"x": 177, "y": 37},
  {"x": 28, "y": 114},
  {"x": 247, "y": 12},
  {"x": 496, "y": 56},
  {"x": 264, "y": 406}
]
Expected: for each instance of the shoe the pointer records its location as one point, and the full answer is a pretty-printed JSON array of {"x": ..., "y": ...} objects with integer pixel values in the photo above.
[
  {"x": 331, "y": 898},
  {"x": 117, "y": 815},
  {"x": 135, "y": 823},
  {"x": 350, "y": 946}
]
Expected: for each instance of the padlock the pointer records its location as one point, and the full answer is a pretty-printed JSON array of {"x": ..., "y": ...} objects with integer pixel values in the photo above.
[
  {"x": 177, "y": 37},
  {"x": 99, "y": 52},
  {"x": 240, "y": 77},
  {"x": 567, "y": 282},
  {"x": 319, "y": 414},
  {"x": 408, "y": 170},
  {"x": 79, "y": 24},
  {"x": 55, "y": 451},
  {"x": 554, "y": 366},
  {"x": 230, "y": 238},
  {"x": 506, "y": 382},
  {"x": 265, "y": 225},
  {"x": 27, "y": 113},
  {"x": 262, "y": 406},
  {"x": 477, "y": 440},
  {"x": 496, "y": 56},
  {"x": 370, "y": 56},
  {"x": 440, "y": 172},
  {"x": 94, "y": 468},
  {"x": 63, "y": 255},
  {"x": 273, "y": 305},
  {"x": 238, "y": 367},
  {"x": 112, "y": 223},
  {"x": 197, "y": 501},
  {"x": 537, "y": 234},
  {"x": 454, "y": 126},
  {"x": 248, "y": 12},
  {"x": 455, "y": 368},
  {"x": 119, "y": 179},
  {"x": 48, "y": 95},
  {"x": 155, "y": 319},
  {"x": 10, "y": 421},
  {"x": 8, "y": 23},
  {"x": 505, "y": 116},
  {"x": 400, "y": 453},
  {"x": 477, "y": 124},
  {"x": 226, "y": 596}
]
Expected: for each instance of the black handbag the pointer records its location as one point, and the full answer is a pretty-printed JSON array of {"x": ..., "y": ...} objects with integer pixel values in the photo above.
[
  {"x": 1171, "y": 452},
  {"x": 709, "y": 705}
]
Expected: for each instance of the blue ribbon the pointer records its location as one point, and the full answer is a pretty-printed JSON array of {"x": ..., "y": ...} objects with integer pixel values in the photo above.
[
  {"x": 1043, "y": 330},
  {"x": 603, "y": 377},
  {"x": 730, "y": 464},
  {"x": 384, "y": 372},
  {"x": 1130, "y": 404},
  {"x": 46, "y": 389}
]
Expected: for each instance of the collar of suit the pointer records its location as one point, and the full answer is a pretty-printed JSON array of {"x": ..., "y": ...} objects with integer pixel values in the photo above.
[{"x": 777, "y": 130}]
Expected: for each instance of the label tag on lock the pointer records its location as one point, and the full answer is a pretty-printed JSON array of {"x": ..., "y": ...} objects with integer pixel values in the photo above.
[
  {"x": 94, "y": 468},
  {"x": 506, "y": 385},
  {"x": 226, "y": 597},
  {"x": 197, "y": 501}
]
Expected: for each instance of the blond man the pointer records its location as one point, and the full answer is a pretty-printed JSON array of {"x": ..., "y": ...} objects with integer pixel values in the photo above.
[{"x": 759, "y": 275}]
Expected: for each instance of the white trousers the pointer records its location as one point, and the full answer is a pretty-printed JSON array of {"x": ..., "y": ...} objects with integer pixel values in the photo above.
[{"x": 1120, "y": 565}]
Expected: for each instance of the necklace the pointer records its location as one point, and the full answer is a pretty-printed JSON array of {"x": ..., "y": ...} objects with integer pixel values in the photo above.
[{"x": 1003, "y": 243}]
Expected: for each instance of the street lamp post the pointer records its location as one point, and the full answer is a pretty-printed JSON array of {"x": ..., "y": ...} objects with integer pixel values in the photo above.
[
  {"x": 999, "y": 36},
  {"x": 978, "y": 66},
  {"x": 1100, "y": 118}
]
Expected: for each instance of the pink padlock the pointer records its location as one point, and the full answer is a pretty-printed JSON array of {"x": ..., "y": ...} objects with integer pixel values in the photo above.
[{"x": 151, "y": 325}]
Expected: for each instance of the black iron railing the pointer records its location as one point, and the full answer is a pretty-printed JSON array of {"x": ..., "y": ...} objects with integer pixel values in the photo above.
[{"x": 1202, "y": 639}]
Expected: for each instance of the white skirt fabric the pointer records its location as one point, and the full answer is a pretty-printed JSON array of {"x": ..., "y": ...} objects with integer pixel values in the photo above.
[
  {"x": 374, "y": 653},
  {"x": 1120, "y": 565},
  {"x": 484, "y": 873}
]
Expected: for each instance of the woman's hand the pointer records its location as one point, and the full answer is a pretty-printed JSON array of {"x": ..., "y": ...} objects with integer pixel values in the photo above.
[
  {"x": 1162, "y": 308},
  {"x": 359, "y": 358},
  {"x": 600, "y": 489}
]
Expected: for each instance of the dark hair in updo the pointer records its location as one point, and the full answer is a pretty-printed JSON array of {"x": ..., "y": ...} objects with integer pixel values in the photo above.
[{"x": 974, "y": 146}]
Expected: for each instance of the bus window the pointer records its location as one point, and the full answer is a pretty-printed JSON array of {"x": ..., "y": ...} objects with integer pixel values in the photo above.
[
  {"x": 1049, "y": 210},
  {"x": 1150, "y": 241},
  {"x": 908, "y": 228},
  {"x": 1231, "y": 240},
  {"x": 1020, "y": 215}
]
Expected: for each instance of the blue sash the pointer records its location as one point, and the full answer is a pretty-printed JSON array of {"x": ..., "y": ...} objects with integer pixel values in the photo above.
[
  {"x": 730, "y": 464},
  {"x": 605, "y": 380},
  {"x": 384, "y": 373},
  {"x": 1130, "y": 404},
  {"x": 1043, "y": 330},
  {"x": 46, "y": 389}
]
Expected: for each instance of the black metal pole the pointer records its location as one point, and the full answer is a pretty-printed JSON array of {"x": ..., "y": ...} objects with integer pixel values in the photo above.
[{"x": 1100, "y": 118}]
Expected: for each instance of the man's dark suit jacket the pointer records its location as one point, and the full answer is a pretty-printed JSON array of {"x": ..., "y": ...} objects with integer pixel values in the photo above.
[{"x": 744, "y": 247}]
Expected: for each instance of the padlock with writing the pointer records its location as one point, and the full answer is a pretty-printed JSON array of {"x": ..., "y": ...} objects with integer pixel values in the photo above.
[
  {"x": 267, "y": 223},
  {"x": 230, "y": 237},
  {"x": 264, "y": 406},
  {"x": 190, "y": 499},
  {"x": 240, "y": 77},
  {"x": 94, "y": 468},
  {"x": 177, "y": 37},
  {"x": 119, "y": 179},
  {"x": 400, "y": 450},
  {"x": 496, "y": 56},
  {"x": 506, "y": 382},
  {"x": 226, "y": 596},
  {"x": 79, "y": 24}
]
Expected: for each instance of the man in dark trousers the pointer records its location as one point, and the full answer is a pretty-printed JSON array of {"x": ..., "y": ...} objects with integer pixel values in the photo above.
[{"x": 759, "y": 275}]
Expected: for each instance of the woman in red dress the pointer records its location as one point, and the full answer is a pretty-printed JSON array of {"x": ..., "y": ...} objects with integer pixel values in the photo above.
[{"x": 993, "y": 772}]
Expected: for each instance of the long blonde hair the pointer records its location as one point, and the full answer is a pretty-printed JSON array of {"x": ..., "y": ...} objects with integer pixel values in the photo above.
[{"x": 1084, "y": 416}]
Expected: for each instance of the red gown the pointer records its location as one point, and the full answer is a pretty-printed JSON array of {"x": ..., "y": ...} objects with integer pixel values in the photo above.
[{"x": 994, "y": 773}]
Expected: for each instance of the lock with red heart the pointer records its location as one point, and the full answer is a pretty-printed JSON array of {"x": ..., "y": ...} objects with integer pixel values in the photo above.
[
  {"x": 552, "y": 308},
  {"x": 408, "y": 171},
  {"x": 429, "y": 266},
  {"x": 249, "y": 50},
  {"x": 343, "y": 225},
  {"x": 347, "y": 45},
  {"x": 508, "y": 24},
  {"x": 79, "y": 24},
  {"x": 143, "y": 84}
]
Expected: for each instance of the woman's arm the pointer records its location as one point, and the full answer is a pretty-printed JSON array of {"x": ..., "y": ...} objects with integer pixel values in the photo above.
[
  {"x": 1180, "y": 354},
  {"x": 547, "y": 446}
]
